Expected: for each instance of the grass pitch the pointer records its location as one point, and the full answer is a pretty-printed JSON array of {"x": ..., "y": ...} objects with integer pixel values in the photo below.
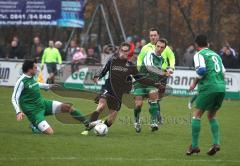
[{"x": 122, "y": 146}]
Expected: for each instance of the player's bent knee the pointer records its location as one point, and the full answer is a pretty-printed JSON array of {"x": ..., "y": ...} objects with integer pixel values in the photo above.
[
  {"x": 101, "y": 107},
  {"x": 211, "y": 115},
  {"x": 66, "y": 107},
  {"x": 138, "y": 103},
  {"x": 49, "y": 131},
  {"x": 198, "y": 113},
  {"x": 45, "y": 128}
]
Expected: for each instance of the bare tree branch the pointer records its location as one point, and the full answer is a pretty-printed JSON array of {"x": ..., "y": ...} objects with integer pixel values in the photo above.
[{"x": 185, "y": 18}]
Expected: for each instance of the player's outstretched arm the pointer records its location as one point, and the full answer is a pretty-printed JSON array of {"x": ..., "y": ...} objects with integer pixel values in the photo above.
[
  {"x": 20, "y": 116},
  {"x": 48, "y": 86},
  {"x": 194, "y": 84},
  {"x": 103, "y": 71},
  {"x": 16, "y": 95}
]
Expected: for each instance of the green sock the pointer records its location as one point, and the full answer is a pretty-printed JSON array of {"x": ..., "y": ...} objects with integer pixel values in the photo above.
[
  {"x": 153, "y": 111},
  {"x": 193, "y": 98},
  {"x": 196, "y": 125},
  {"x": 78, "y": 115},
  {"x": 35, "y": 130},
  {"x": 137, "y": 112},
  {"x": 215, "y": 131}
]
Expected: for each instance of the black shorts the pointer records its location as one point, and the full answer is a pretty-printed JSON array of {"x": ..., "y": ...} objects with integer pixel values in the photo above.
[
  {"x": 51, "y": 67},
  {"x": 113, "y": 101}
]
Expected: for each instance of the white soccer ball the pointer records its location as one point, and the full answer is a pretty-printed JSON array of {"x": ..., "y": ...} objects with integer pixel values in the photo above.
[{"x": 101, "y": 129}]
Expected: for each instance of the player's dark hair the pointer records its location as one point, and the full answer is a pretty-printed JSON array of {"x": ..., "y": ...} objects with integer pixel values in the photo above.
[
  {"x": 27, "y": 64},
  {"x": 125, "y": 44},
  {"x": 154, "y": 29},
  {"x": 162, "y": 40},
  {"x": 201, "y": 40}
]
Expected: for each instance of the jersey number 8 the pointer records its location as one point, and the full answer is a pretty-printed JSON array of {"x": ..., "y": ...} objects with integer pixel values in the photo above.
[{"x": 216, "y": 64}]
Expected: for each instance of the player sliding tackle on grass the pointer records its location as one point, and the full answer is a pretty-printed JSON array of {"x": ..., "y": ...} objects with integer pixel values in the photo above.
[
  {"x": 27, "y": 100},
  {"x": 121, "y": 74},
  {"x": 211, "y": 91}
]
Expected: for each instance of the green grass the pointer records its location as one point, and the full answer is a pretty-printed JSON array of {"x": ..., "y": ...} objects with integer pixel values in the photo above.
[{"x": 122, "y": 146}]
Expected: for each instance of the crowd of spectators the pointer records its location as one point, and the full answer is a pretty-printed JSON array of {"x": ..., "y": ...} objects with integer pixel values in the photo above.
[{"x": 77, "y": 55}]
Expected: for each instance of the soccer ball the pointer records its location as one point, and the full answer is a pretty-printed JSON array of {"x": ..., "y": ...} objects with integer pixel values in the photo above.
[{"x": 101, "y": 129}]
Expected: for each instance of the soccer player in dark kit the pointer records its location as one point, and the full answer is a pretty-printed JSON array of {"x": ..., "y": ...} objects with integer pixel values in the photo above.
[{"x": 120, "y": 72}]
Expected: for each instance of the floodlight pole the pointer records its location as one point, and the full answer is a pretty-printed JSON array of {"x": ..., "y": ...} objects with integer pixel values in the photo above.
[
  {"x": 100, "y": 6},
  {"x": 106, "y": 23},
  {"x": 119, "y": 19},
  {"x": 70, "y": 38},
  {"x": 90, "y": 25}
]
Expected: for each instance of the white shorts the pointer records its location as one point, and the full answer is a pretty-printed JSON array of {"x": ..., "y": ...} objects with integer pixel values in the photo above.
[
  {"x": 56, "y": 107},
  {"x": 43, "y": 125}
]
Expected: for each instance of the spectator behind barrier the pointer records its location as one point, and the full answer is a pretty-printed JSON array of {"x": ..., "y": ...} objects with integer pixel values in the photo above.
[
  {"x": 15, "y": 51},
  {"x": 187, "y": 59},
  {"x": 91, "y": 57},
  {"x": 71, "y": 50},
  {"x": 36, "y": 50},
  {"x": 229, "y": 60},
  {"x": 58, "y": 45},
  {"x": 78, "y": 59},
  {"x": 132, "y": 47}
]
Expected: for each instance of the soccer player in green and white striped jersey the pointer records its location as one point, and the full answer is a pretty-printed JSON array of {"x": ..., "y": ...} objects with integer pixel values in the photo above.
[
  {"x": 211, "y": 92},
  {"x": 152, "y": 68},
  {"x": 168, "y": 65},
  {"x": 27, "y": 100}
]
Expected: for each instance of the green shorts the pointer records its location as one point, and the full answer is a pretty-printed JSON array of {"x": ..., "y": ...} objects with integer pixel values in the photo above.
[
  {"x": 210, "y": 101},
  {"x": 142, "y": 90},
  {"x": 38, "y": 115}
]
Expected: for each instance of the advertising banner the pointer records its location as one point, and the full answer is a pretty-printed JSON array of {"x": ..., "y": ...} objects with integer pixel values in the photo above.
[
  {"x": 179, "y": 82},
  {"x": 82, "y": 79},
  {"x": 11, "y": 71},
  {"x": 42, "y": 12}
]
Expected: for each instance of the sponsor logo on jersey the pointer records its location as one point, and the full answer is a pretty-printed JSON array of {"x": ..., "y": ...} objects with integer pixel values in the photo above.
[
  {"x": 31, "y": 86},
  {"x": 120, "y": 68}
]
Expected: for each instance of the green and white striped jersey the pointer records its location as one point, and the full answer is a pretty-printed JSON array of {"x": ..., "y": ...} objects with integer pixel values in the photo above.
[
  {"x": 167, "y": 54},
  {"x": 152, "y": 65}
]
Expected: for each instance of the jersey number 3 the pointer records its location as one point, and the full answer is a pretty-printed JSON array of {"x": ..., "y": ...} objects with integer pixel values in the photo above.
[{"x": 216, "y": 64}]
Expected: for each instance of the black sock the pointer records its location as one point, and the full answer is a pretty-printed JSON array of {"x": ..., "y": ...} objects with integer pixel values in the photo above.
[
  {"x": 107, "y": 123},
  {"x": 77, "y": 114},
  {"x": 137, "y": 112},
  {"x": 94, "y": 116}
]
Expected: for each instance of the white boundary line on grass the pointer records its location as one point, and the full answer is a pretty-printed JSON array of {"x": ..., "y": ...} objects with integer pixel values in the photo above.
[{"x": 115, "y": 159}]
